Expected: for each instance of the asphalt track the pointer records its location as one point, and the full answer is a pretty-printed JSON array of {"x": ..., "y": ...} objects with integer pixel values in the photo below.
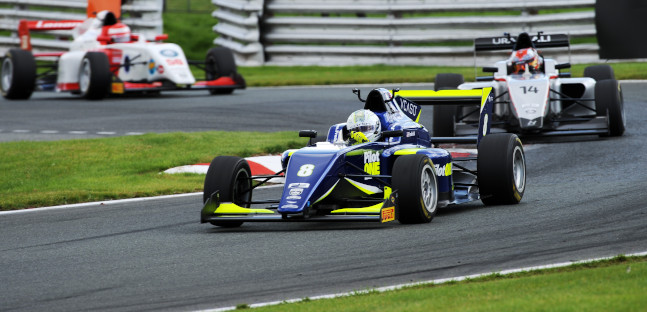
[{"x": 585, "y": 199}]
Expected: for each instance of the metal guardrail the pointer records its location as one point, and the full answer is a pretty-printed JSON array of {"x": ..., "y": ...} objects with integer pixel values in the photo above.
[
  {"x": 143, "y": 16},
  {"x": 403, "y": 32}
]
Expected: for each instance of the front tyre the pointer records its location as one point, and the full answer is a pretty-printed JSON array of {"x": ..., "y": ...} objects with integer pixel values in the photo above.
[
  {"x": 220, "y": 63},
  {"x": 414, "y": 178},
  {"x": 501, "y": 169},
  {"x": 95, "y": 76},
  {"x": 230, "y": 176},
  {"x": 18, "y": 76},
  {"x": 609, "y": 102}
]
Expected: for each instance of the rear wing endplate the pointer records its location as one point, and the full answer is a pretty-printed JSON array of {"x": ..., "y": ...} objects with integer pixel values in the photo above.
[{"x": 482, "y": 97}]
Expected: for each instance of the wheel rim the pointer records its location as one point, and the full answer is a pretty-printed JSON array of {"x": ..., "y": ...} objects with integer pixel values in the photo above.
[
  {"x": 428, "y": 188},
  {"x": 519, "y": 169},
  {"x": 242, "y": 188},
  {"x": 84, "y": 77},
  {"x": 7, "y": 74}
]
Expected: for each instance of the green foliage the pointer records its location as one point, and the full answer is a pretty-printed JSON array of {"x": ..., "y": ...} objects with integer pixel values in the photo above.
[
  {"x": 609, "y": 285},
  {"x": 35, "y": 174}
]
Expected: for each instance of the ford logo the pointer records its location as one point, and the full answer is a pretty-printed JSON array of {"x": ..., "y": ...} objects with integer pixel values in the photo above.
[{"x": 168, "y": 53}]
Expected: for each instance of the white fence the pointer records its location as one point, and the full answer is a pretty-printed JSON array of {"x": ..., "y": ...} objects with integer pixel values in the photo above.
[
  {"x": 143, "y": 16},
  {"x": 342, "y": 32}
]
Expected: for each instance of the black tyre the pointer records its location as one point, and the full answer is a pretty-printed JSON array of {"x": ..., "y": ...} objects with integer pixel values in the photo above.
[
  {"x": 609, "y": 102},
  {"x": 501, "y": 168},
  {"x": 444, "y": 116},
  {"x": 95, "y": 76},
  {"x": 229, "y": 175},
  {"x": 18, "y": 76},
  {"x": 414, "y": 178},
  {"x": 220, "y": 63},
  {"x": 599, "y": 72}
]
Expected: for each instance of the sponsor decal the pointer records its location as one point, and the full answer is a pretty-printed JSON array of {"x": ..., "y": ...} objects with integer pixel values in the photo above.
[
  {"x": 126, "y": 63},
  {"x": 299, "y": 185},
  {"x": 387, "y": 214},
  {"x": 293, "y": 197},
  {"x": 410, "y": 134},
  {"x": 290, "y": 202},
  {"x": 409, "y": 108},
  {"x": 296, "y": 191},
  {"x": 174, "y": 62},
  {"x": 151, "y": 66},
  {"x": 42, "y": 24},
  {"x": 444, "y": 171},
  {"x": 117, "y": 87},
  {"x": 372, "y": 162},
  {"x": 168, "y": 53},
  {"x": 289, "y": 206},
  {"x": 160, "y": 69}
]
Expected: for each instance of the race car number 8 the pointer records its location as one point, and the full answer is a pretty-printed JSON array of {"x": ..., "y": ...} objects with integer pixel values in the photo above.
[{"x": 306, "y": 170}]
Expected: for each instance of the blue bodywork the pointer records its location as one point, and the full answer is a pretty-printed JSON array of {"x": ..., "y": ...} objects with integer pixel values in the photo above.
[{"x": 333, "y": 178}]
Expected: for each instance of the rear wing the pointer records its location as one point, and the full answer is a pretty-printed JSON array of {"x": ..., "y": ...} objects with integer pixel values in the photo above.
[
  {"x": 24, "y": 27},
  {"x": 507, "y": 42},
  {"x": 410, "y": 101}
]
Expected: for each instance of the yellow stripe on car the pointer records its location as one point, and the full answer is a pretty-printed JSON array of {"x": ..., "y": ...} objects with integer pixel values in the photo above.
[{"x": 231, "y": 208}]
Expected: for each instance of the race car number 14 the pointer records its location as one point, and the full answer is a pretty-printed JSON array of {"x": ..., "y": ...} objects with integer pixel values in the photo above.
[{"x": 306, "y": 170}]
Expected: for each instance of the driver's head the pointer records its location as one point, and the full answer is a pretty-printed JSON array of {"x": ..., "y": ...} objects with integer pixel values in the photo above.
[
  {"x": 364, "y": 126},
  {"x": 525, "y": 58},
  {"x": 117, "y": 31}
]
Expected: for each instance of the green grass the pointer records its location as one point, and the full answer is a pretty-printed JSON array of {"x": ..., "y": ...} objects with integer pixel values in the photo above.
[
  {"x": 613, "y": 285},
  {"x": 35, "y": 174}
]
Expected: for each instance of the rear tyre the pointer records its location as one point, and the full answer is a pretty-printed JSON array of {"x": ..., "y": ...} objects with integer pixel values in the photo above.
[
  {"x": 18, "y": 76},
  {"x": 609, "y": 102},
  {"x": 220, "y": 63},
  {"x": 229, "y": 175},
  {"x": 444, "y": 116},
  {"x": 95, "y": 76},
  {"x": 501, "y": 169},
  {"x": 599, "y": 72},
  {"x": 414, "y": 178}
]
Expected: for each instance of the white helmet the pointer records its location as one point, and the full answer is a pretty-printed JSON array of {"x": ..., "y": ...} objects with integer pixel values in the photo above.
[{"x": 366, "y": 122}]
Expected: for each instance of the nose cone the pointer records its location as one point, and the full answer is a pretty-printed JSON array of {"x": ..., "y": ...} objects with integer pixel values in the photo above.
[{"x": 531, "y": 124}]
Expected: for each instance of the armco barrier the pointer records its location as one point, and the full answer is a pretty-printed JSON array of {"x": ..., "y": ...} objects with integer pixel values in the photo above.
[
  {"x": 143, "y": 16},
  {"x": 342, "y": 32}
]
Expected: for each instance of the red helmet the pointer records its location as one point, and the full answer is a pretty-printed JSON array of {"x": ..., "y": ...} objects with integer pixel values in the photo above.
[
  {"x": 118, "y": 32},
  {"x": 526, "y": 58}
]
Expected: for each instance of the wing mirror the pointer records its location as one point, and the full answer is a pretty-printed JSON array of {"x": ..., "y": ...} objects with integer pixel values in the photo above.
[
  {"x": 563, "y": 66},
  {"x": 312, "y": 134},
  {"x": 490, "y": 69}
]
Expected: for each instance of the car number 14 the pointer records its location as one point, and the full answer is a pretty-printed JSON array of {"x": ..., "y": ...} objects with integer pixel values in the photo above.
[{"x": 528, "y": 89}]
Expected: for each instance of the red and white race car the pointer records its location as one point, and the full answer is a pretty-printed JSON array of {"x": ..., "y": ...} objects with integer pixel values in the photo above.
[{"x": 106, "y": 58}]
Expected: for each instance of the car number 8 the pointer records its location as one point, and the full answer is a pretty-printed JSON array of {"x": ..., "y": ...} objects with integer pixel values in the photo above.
[{"x": 306, "y": 170}]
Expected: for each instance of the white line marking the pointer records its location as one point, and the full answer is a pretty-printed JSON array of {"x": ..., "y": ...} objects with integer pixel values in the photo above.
[
  {"x": 437, "y": 281},
  {"x": 49, "y": 131},
  {"x": 77, "y": 132},
  {"x": 106, "y": 132},
  {"x": 114, "y": 202},
  {"x": 134, "y": 133},
  {"x": 21, "y": 131}
]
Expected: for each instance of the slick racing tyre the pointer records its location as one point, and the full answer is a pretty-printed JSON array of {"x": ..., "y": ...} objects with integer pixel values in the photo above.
[
  {"x": 609, "y": 102},
  {"x": 18, "y": 77},
  {"x": 599, "y": 72},
  {"x": 501, "y": 169},
  {"x": 95, "y": 76},
  {"x": 220, "y": 63},
  {"x": 414, "y": 178},
  {"x": 445, "y": 115},
  {"x": 230, "y": 176}
]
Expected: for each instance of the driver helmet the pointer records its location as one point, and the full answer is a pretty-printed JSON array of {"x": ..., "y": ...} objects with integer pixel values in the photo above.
[
  {"x": 112, "y": 28},
  {"x": 523, "y": 58},
  {"x": 364, "y": 126}
]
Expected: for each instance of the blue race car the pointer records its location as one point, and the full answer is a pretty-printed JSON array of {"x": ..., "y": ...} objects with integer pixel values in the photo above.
[{"x": 380, "y": 165}]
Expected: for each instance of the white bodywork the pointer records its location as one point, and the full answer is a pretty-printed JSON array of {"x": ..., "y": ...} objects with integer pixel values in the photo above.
[
  {"x": 142, "y": 61},
  {"x": 529, "y": 94}
]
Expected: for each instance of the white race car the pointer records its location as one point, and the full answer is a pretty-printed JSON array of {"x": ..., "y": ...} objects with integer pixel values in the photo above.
[
  {"x": 106, "y": 58},
  {"x": 532, "y": 97}
]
